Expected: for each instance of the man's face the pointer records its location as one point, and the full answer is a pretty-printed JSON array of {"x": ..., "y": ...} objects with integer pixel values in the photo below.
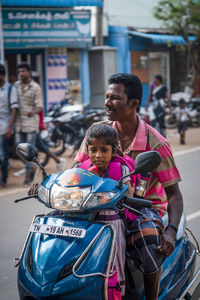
[
  {"x": 24, "y": 74},
  {"x": 116, "y": 103}
]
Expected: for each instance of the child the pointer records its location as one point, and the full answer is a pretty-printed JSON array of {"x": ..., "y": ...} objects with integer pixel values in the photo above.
[
  {"x": 101, "y": 141},
  {"x": 182, "y": 115}
]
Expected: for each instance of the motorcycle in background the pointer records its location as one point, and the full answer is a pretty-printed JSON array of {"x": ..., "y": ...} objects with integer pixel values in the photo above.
[
  {"x": 67, "y": 125},
  {"x": 67, "y": 255},
  {"x": 170, "y": 119}
]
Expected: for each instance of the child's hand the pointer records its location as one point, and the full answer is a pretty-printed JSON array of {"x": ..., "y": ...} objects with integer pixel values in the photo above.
[{"x": 33, "y": 189}]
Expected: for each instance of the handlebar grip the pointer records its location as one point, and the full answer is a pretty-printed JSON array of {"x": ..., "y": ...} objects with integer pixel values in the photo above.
[{"x": 138, "y": 203}]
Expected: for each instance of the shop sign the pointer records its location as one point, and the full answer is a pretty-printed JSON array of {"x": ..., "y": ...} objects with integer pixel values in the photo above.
[{"x": 33, "y": 28}]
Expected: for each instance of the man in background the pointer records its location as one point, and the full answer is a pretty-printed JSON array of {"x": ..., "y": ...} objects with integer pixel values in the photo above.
[
  {"x": 27, "y": 122},
  {"x": 8, "y": 112}
]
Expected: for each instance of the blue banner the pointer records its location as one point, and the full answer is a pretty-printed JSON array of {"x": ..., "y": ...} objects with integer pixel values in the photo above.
[{"x": 41, "y": 28}]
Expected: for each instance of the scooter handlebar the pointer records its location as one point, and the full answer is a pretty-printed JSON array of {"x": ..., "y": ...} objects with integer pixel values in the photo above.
[{"x": 137, "y": 202}]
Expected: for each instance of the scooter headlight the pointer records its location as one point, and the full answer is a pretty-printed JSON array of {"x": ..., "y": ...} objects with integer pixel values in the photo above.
[
  {"x": 97, "y": 199},
  {"x": 62, "y": 198}
]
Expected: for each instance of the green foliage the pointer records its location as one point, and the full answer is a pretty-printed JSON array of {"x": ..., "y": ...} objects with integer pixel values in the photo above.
[{"x": 182, "y": 17}]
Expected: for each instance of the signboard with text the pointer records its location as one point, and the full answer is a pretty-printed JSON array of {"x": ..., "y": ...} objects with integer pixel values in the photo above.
[{"x": 41, "y": 28}]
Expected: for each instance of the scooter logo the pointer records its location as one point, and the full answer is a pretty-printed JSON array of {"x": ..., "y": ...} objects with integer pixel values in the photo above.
[{"x": 72, "y": 179}]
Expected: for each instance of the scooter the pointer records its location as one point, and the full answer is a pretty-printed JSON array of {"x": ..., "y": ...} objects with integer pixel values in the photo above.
[{"x": 68, "y": 255}]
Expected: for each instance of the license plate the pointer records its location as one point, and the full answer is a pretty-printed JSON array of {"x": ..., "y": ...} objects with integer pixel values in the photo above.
[{"x": 59, "y": 230}]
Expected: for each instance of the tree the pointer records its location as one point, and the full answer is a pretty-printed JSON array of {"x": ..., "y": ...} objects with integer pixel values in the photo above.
[{"x": 182, "y": 17}]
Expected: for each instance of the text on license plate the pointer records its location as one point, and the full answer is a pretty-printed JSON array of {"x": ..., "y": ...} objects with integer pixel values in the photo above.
[{"x": 59, "y": 230}]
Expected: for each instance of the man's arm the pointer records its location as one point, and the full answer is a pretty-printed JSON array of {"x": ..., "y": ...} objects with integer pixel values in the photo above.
[
  {"x": 12, "y": 120},
  {"x": 175, "y": 209}
]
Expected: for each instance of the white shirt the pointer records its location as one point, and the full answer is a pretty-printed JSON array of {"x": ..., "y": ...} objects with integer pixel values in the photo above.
[
  {"x": 5, "y": 107},
  {"x": 182, "y": 114}
]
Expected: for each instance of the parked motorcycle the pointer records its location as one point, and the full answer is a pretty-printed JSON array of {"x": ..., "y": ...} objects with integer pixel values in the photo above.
[
  {"x": 193, "y": 107},
  {"x": 67, "y": 255},
  {"x": 170, "y": 118},
  {"x": 67, "y": 124}
]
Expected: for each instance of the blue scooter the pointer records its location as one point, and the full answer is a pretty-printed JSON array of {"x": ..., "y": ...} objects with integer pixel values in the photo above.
[{"x": 68, "y": 255}]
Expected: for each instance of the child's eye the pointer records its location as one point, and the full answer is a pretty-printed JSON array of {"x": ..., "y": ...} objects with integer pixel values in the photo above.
[
  {"x": 93, "y": 150},
  {"x": 104, "y": 150}
]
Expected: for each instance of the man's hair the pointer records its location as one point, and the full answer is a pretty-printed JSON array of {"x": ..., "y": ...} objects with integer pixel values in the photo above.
[
  {"x": 2, "y": 70},
  {"x": 132, "y": 84},
  {"x": 24, "y": 65},
  {"x": 159, "y": 77},
  {"x": 102, "y": 131}
]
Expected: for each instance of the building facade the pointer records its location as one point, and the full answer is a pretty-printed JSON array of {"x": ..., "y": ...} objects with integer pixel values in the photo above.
[{"x": 54, "y": 37}]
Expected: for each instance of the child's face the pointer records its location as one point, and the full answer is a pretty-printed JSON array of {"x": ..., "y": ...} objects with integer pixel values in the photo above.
[{"x": 100, "y": 153}]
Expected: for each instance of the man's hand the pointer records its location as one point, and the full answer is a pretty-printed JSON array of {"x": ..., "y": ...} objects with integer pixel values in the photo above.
[
  {"x": 8, "y": 132},
  {"x": 33, "y": 189},
  {"x": 167, "y": 241}
]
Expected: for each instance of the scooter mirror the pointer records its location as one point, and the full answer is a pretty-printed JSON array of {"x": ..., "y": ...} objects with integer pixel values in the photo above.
[
  {"x": 26, "y": 152},
  {"x": 147, "y": 161}
]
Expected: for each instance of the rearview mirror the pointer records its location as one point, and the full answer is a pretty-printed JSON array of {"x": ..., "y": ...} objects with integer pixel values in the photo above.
[
  {"x": 147, "y": 161},
  {"x": 26, "y": 152}
]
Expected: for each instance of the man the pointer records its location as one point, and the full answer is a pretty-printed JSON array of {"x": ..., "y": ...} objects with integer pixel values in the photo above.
[
  {"x": 27, "y": 122},
  {"x": 8, "y": 111},
  {"x": 158, "y": 98},
  {"x": 149, "y": 244}
]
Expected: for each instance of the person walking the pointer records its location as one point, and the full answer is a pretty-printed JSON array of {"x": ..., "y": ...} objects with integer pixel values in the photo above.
[
  {"x": 158, "y": 98},
  {"x": 148, "y": 243},
  {"x": 8, "y": 112},
  {"x": 27, "y": 121}
]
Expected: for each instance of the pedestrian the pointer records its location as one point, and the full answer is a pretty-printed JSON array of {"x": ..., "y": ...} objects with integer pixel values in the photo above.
[
  {"x": 182, "y": 117},
  {"x": 158, "y": 99},
  {"x": 27, "y": 122},
  {"x": 148, "y": 243},
  {"x": 8, "y": 112}
]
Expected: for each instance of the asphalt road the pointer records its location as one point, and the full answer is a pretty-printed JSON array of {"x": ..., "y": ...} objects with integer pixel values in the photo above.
[{"x": 16, "y": 218}]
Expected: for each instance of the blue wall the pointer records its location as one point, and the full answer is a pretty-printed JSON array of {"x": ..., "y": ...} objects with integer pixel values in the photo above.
[
  {"x": 85, "y": 77},
  {"x": 118, "y": 37}
]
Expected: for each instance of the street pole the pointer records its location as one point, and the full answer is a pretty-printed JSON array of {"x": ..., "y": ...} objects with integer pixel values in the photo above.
[
  {"x": 1, "y": 36},
  {"x": 99, "y": 27}
]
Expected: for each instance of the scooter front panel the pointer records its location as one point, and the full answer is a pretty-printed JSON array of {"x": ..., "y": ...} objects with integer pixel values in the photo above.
[{"x": 52, "y": 259}]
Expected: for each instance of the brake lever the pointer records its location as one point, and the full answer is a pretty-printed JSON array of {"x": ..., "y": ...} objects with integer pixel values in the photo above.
[
  {"x": 26, "y": 198},
  {"x": 134, "y": 211}
]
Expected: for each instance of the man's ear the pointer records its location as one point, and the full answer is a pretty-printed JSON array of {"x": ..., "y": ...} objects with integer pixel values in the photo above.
[{"x": 134, "y": 103}]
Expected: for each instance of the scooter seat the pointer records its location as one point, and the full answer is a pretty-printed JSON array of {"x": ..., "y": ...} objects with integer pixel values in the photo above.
[{"x": 181, "y": 227}]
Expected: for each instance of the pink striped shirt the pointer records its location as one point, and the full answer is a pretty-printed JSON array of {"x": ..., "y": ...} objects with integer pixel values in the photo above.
[{"x": 166, "y": 174}]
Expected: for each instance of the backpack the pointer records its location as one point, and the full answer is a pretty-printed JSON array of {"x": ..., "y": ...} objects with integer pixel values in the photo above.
[
  {"x": 115, "y": 170},
  {"x": 9, "y": 93}
]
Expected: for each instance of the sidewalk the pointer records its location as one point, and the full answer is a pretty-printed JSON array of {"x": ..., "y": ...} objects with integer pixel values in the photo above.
[{"x": 192, "y": 141}]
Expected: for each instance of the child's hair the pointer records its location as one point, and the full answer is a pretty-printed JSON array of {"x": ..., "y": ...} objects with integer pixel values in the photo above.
[
  {"x": 102, "y": 131},
  {"x": 182, "y": 101}
]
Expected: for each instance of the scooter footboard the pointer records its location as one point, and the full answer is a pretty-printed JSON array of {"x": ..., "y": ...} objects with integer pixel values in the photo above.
[{"x": 66, "y": 267}]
